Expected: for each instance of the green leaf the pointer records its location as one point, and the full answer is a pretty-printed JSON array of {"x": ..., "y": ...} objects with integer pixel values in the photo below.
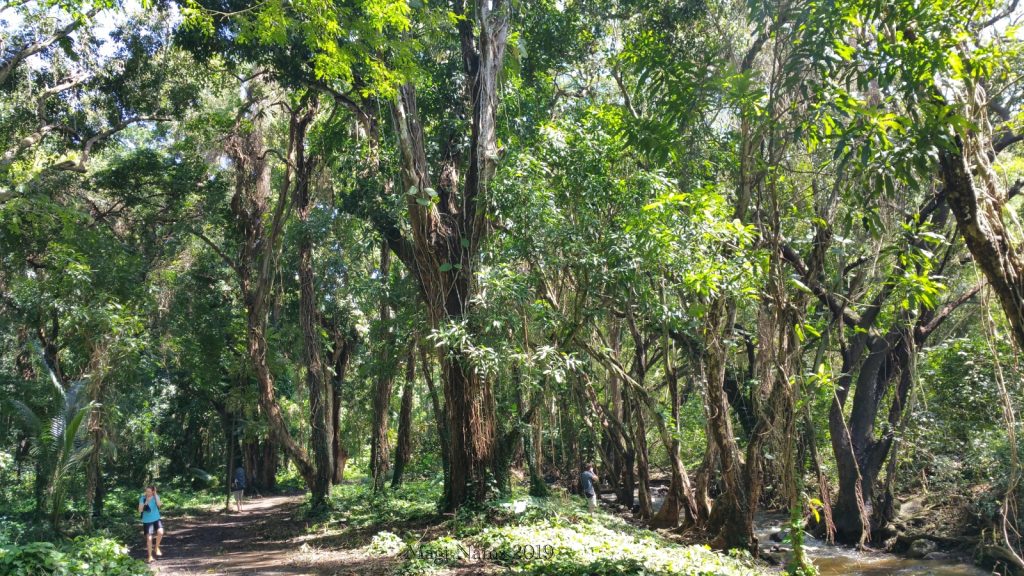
[{"x": 446, "y": 267}]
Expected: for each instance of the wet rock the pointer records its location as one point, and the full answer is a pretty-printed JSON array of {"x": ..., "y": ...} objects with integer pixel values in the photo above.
[
  {"x": 921, "y": 547},
  {"x": 911, "y": 507},
  {"x": 887, "y": 532},
  {"x": 779, "y": 536},
  {"x": 938, "y": 556},
  {"x": 771, "y": 557}
]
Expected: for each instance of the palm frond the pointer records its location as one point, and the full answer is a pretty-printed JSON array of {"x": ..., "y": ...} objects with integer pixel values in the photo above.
[
  {"x": 74, "y": 426},
  {"x": 57, "y": 426},
  {"x": 75, "y": 459}
]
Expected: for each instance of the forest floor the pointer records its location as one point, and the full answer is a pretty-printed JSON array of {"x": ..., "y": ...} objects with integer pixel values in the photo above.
[
  {"x": 401, "y": 532},
  {"x": 269, "y": 538},
  {"x": 262, "y": 540}
]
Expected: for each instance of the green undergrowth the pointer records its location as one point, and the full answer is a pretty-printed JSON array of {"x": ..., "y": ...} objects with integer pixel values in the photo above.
[
  {"x": 120, "y": 519},
  {"x": 176, "y": 499},
  {"x": 524, "y": 535},
  {"x": 356, "y": 505},
  {"x": 29, "y": 546},
  {"x": 92, "y": 556}
]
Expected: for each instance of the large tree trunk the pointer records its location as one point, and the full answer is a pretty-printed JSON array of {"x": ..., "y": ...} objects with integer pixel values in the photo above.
[
  {"x": 447, "y": 234},
  {"x": 320, "y": 412},
  {"x": 253, "y": 266},
  {"x": 873, "y": 360},
  {"x": 404, "y": 449},
  {"x": 380, "y": 451},
  {"x": 470, "y": 409},
  {"x": 261, "y": 463}
]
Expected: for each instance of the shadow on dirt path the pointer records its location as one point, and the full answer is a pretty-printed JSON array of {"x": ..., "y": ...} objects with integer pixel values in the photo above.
[{"x": 256, "y": 542}]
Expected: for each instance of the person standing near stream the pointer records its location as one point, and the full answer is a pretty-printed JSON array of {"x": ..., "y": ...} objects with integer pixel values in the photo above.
[
  {"x": 587, "y": 480},
  {"x": 149, "y": 508}
]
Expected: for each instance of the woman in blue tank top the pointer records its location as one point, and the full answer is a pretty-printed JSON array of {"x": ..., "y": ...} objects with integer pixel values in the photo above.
[{"x": 149, "y": 508}]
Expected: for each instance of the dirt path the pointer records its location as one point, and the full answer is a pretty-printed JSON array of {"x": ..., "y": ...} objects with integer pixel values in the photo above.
[{"x": 259, "y": 541}]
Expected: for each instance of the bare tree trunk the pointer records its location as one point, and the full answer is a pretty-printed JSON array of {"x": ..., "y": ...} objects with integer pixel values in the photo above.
[
  {"x": 440, "y": 420},
  {"x": 403, "y": 450},
  {"x": 680, "y": 499},
  {"x": 342, "y": 352},
  {"x": 978, "y": 202},
  {"x": 379, "y": 449},
  {"x": 96, "y": 435},
  {"x": 729, "y": 516},
  {"x": 254, "y": 267},
  {"x": 320, "y": 397}
]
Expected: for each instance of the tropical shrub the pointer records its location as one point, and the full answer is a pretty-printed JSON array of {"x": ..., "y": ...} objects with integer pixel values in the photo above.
[{"x": 80, "y": 557}]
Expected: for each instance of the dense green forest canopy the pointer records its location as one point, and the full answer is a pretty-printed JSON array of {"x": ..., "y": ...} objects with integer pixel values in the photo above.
[{"x": 743, "y": 257}]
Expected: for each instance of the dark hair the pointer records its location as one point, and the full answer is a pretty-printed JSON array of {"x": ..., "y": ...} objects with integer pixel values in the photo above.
[
  {"x": 152, "y": 487},
  {"x": 588, "y": 465}
]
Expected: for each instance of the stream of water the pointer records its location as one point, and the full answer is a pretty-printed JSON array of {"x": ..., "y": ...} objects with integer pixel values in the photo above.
[
  {"x": 842, "y": 561},
  {"x": 833, "y": 560}
]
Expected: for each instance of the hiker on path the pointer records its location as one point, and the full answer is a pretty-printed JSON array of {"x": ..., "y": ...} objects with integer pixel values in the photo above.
[
  {"x": 149, "y": 508},
  {"x": 587, "y": 479},
  {"x": 238, "y": 486}
]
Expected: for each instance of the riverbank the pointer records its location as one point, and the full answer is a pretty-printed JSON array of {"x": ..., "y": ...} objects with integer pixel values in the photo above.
[{"x": 931, "y": 537}]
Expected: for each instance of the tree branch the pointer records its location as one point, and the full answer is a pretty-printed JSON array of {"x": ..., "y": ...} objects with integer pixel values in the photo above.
[
  {"x": 216, "y": 249},
  {"x": 922, "y": 332},
  {"x": 7, "y": 67},
  {"x": 830, "y": 300}
]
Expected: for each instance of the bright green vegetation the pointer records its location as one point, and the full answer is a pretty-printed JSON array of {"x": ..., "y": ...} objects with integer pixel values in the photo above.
[
  {"x": 420, "y": 259},
  {"x": 80, "y": 557},
  {"x": 528, "y": 535}
]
